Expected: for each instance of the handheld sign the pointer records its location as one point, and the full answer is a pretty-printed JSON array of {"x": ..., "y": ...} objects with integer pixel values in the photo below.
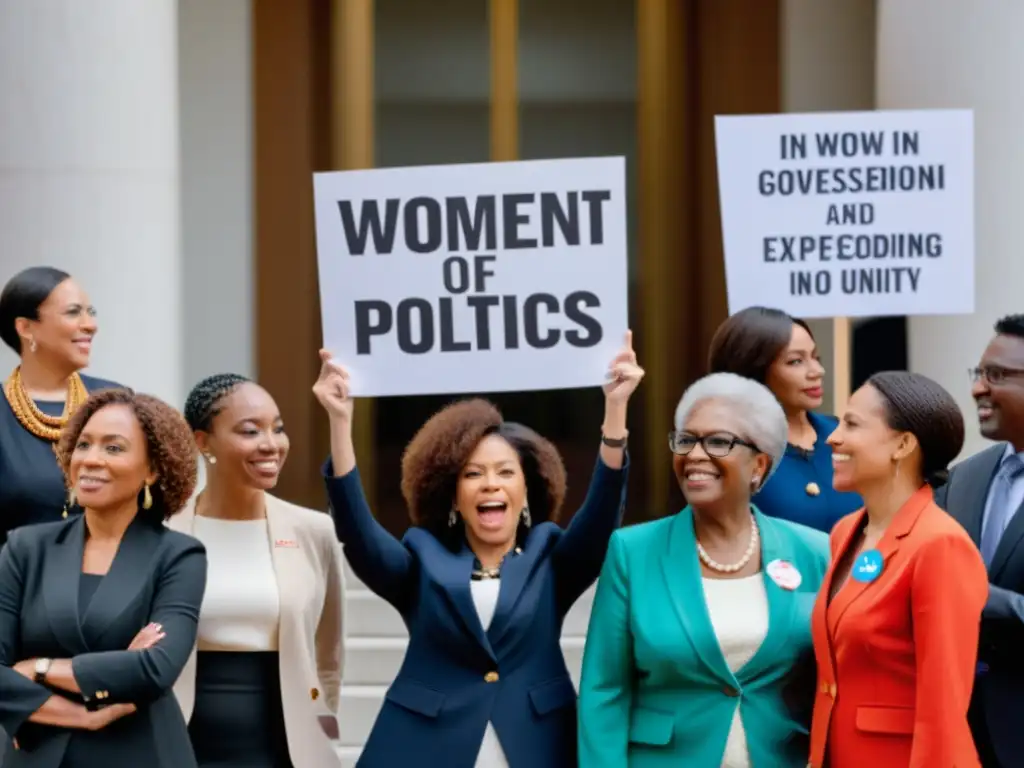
[
  {"x": 473, "y": 278},
  {"x": 852, "y": 214}
]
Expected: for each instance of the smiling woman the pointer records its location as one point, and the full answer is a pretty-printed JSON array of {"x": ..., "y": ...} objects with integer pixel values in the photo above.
[
  {"x": 47, "y": 319},
  {"x": 111, "y": 593},
  {"x": 899, "y": 612},
  {"x": 694, "y": 608},
  {"x": 779, "y": 351},
  {"x": 270, "y": 631},
  {"x": 483, "y": 579},
  {"x": 470, "y": 476}
]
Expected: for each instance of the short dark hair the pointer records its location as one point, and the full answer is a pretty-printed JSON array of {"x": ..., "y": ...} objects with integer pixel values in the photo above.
[
  {"x": 748, "y": 342},
  {"x": 438, "y": 452},
  {"x": 202, "y": 403},
  {"x": 172, "y": 451},
  {"x": 916, "y": 404},
  {"x": 1011, "y": 325},
  {"x": 22, "y": 296}
]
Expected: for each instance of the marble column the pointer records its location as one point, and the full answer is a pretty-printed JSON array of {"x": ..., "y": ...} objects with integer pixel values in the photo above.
[
  {"x": 89, "y": 171},
  {"x": 952, "y": 54}
]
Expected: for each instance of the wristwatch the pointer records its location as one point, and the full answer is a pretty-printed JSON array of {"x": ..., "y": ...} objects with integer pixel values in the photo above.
[
  {"x": 42, "y": 669},
  {"x": 615, "y": 442}
]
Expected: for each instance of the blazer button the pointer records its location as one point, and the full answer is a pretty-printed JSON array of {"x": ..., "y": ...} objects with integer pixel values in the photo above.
[
  {"x": 491, "y": 677},
  {"x": 314, "y": 693},
  {"x": 730, "y": 691},
  {"x": 832, "y": 690}
]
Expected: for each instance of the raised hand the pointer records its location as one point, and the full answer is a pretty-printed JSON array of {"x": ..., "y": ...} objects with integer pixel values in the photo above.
[
  {"x": 624, "y": 375},
  {"x": 332, "y": 388},
  {"x": 148, "y": 636}
]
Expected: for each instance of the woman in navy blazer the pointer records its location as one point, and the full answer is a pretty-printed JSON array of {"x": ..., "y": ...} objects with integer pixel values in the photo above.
[
  {"x": 483, "y": 579},
  {"x": 779, "y": 351}
]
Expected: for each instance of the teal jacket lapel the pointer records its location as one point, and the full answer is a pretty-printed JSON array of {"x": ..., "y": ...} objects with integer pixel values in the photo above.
[
  {"x": 682, "y": 573},
  {"x": 681, "y": 570},
  {"x": 781, "y": 602}
]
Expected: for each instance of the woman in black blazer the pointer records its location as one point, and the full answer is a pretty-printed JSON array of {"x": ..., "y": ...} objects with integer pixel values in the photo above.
[
  {"x": 98, "y": 613},
  {"x": 483, "y": 579}
]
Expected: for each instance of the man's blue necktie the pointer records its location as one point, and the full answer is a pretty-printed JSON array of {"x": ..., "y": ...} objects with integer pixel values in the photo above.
[{"x": 999, "y": 512}]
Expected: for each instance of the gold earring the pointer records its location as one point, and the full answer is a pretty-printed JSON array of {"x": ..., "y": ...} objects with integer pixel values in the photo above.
[
  {"x": 68, "y": 503},
  {"x": 147, "y": 498}
]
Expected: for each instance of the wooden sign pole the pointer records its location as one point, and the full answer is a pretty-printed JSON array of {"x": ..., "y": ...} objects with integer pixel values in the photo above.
[{"x": 841, "y": 360}]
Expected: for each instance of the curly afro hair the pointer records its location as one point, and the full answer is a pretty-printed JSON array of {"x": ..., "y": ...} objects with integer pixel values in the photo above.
[
  {"x": 172, "y": 451},
  {"x": 437, "y": 453}
]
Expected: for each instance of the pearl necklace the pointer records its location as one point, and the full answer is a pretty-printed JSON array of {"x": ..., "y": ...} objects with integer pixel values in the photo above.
[{"x": 733, "y": 567}]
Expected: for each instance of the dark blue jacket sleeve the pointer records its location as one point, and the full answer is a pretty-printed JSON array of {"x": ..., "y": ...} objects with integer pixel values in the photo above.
[
  {"x": 1003, "y": 605},
  {"x": 142, "y": 676},
  {"x": 19, "y": 696},
  {"x": 580, "y": 551},
  {"x": 381, "y": 561}
]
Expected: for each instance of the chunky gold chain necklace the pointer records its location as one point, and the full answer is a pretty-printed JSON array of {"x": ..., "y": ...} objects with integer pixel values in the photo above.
[{"x": 34, "y": 420}]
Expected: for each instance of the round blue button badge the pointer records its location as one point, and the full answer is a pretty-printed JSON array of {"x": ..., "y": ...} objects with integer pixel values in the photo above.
[{"x": 868, "y": 566}]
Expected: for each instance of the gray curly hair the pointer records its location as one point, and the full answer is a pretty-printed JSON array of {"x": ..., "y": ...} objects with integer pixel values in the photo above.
[{"x": 762, "y": 418}]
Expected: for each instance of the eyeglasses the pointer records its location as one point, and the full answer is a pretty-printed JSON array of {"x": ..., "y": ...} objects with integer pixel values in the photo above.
[
  {"x": 718, "y": 445},
  {"x": 994, "y": 374}
]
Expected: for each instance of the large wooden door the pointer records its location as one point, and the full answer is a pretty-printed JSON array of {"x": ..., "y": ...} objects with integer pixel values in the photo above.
[{"x": 365, "y": 83}]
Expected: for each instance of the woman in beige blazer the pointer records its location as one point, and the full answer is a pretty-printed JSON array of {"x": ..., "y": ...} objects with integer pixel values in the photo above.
[{"x": 261, "y": 688}]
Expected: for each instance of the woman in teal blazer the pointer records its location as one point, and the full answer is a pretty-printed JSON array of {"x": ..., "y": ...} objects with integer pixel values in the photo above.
[{"x": 699, "y": 649}]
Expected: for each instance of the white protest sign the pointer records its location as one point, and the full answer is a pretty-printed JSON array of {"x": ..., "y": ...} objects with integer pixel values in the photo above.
[
  {"x": 849, "y": 214},
  {"x": 487, "y": 277}
]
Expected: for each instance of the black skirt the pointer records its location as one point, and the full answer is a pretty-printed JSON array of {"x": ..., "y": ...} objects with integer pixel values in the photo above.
[{"x": 238, "y": 719}]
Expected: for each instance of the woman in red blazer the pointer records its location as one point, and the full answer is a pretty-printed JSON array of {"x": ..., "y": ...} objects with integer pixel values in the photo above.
[{"x": 896, "y": 622}]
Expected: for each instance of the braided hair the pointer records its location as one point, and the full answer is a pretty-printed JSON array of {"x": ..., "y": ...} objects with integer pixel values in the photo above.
[
  {"x": 916, "y": 404},
  {"x": 202, "y": 404}
]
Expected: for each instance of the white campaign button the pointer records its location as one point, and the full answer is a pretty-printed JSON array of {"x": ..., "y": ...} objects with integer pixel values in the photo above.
[{"x": 784, "y": 574}]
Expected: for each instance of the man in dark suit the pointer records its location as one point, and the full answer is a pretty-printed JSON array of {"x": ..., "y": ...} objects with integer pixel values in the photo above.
[{"x": 985, "y": 494}]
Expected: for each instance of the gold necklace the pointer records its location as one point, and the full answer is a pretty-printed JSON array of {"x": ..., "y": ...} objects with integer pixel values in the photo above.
[
  {"x": 480, "y": 573},
  {"x": 34, "y": 420}
]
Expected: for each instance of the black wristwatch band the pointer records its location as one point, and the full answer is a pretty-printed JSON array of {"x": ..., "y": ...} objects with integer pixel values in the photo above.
[{"x": 614, "y": 442}]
